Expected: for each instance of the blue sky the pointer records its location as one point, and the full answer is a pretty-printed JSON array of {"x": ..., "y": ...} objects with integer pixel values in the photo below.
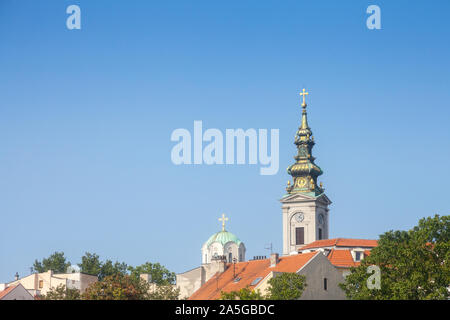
[{"x": 86, "y": 117}]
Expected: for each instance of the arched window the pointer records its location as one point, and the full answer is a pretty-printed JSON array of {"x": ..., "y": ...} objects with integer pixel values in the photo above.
[{"x": 230, "y": 257}]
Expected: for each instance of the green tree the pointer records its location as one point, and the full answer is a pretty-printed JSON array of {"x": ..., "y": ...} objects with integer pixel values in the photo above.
[
  {"x": 414, "y": 264},
  {"x": 243, "y": 294},
  {"x": 55, "y": 262},
  {"x": 118, "y": 287},
  {"x": 90, "y": 264},
  {"x": 286, "y": 286},
  {"x": 109, "y": 269},
  {"x": 61, "y": 293},
  {"x": 164, "y": 292},
  {"x": 159, "y": 274}
]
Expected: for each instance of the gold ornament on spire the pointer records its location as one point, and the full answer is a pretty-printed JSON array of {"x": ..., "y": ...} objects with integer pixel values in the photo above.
[
  {"x": 223, "y": 219},
  {"x": 304, "y": 171},
  {"x": 304, "y": 94}
]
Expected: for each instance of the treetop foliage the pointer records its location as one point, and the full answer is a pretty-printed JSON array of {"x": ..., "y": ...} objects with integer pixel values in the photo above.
[{"x": 414, "y": 264}]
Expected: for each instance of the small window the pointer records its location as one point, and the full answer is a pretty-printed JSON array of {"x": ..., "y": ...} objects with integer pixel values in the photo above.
[
  {"x": 357, "y": 256},
  {"x": 320, "y": 233},
  {"x": 230, "y": 257},
  {"x": 325, "y": 284},
  {"x": 254, "y": 282},
  {"x": 41, "y": 284},
  {"x": 237, "y": 280}
]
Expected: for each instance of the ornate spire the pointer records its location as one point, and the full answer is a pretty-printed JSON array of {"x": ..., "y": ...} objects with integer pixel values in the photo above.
[{"x": 304, "y": 171}]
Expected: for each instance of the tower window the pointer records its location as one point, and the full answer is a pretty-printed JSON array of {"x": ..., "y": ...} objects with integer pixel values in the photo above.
[
  {"x": 299, "y": 235},
  {"x": 320, "y": 233},
  {"x": 325, "y": 284}
]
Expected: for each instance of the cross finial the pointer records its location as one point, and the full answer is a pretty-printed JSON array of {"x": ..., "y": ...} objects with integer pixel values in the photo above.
[
  {"x": 304, "y": 94},
  {"x": 223, "y": 219}
]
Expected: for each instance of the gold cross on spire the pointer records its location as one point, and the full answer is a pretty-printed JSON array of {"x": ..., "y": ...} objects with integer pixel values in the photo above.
[
  {"x": 223, "y": 219},
  {"x": 304, "y": 94}
]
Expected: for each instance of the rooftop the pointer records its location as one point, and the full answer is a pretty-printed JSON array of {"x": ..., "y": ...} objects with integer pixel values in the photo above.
[
  {"x": 247, "y": 274},
  {"x": 341, "y": 242},
  {"x": 6, "y": 291}
]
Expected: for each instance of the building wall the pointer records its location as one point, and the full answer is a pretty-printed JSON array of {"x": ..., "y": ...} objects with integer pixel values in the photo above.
[
  {"x": 310, "y": 207},
  {"x": 77, "y": 280},
  {"x": 237, "y": 252},
  {"x": 43, "y": 282},
  {"x": 190, "y": 281},
  {"x": 315, "y": 272},
  {"x": 29, "y": 282}
]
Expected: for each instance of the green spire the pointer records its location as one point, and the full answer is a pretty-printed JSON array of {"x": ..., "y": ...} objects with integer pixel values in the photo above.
[{"x": 304, "y": 171}]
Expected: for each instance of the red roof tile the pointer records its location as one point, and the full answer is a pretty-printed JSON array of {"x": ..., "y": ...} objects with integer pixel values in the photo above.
[
  {"x": 7, "y": 290},
  {"x": 340, "y": 242},
  {"x": 342, "y": 258},
  {"x": 247, "y": 272}
]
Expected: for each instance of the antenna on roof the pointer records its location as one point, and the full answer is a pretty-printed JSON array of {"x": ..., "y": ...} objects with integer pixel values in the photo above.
[{"x": 269, "y": 247}]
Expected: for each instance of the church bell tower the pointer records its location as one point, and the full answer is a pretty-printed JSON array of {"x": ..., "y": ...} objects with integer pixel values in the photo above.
[{"x": 305, "y": 206}]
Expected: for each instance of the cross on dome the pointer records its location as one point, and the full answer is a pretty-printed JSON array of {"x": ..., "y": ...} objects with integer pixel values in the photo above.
[{"x": 223, "y": 219}]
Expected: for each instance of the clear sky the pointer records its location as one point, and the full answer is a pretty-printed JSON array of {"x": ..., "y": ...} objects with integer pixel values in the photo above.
[{"x": 86, "y": 118}]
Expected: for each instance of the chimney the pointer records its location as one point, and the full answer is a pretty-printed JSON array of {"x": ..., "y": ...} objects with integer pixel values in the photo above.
[
  {"x": 16, "y": 276},
  {"x": 218, "y": 265},
  {"x": 273, "y": 259}
]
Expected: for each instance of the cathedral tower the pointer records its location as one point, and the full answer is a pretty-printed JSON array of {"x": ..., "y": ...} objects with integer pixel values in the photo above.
[{"x": 305, "y": 206}]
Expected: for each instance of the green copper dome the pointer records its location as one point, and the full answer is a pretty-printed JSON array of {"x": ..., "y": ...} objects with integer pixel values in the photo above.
[{"x": 223, "y": 237}]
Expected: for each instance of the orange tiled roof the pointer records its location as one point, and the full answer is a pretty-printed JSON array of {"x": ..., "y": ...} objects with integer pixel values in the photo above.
[
  {"x": 7, "y": 290},
  {"x": 341, "y": 242},
  {"x": 247, "y": 272},
  {"x": 342, "y": 258}
]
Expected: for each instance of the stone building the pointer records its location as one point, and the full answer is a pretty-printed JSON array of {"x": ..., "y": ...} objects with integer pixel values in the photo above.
[
  {"x": 306, "y": 247},
  {"x": 221, "y": 248},
  {"x": 41, "y": 283},
  {"x": 322, "y": 278}
]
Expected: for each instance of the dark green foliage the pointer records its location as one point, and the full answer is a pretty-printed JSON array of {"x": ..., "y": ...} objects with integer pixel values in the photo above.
[
  {"x": 61, "y": 293},
  {"x": 159, "y": 274},
  {"x": 55, "y": 262},
  {"x": 286, "y": 286},
  {"x": 91, "y": 264},
  {"x": 414, "y": 264},
  {"x": 243, "y": 294}
]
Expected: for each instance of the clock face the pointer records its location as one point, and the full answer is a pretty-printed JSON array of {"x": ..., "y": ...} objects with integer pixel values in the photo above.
[
  {"x": 299, "y": 217},
  {"x": 321, "y": 219},
  {"x": 300, "y": 183}
]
